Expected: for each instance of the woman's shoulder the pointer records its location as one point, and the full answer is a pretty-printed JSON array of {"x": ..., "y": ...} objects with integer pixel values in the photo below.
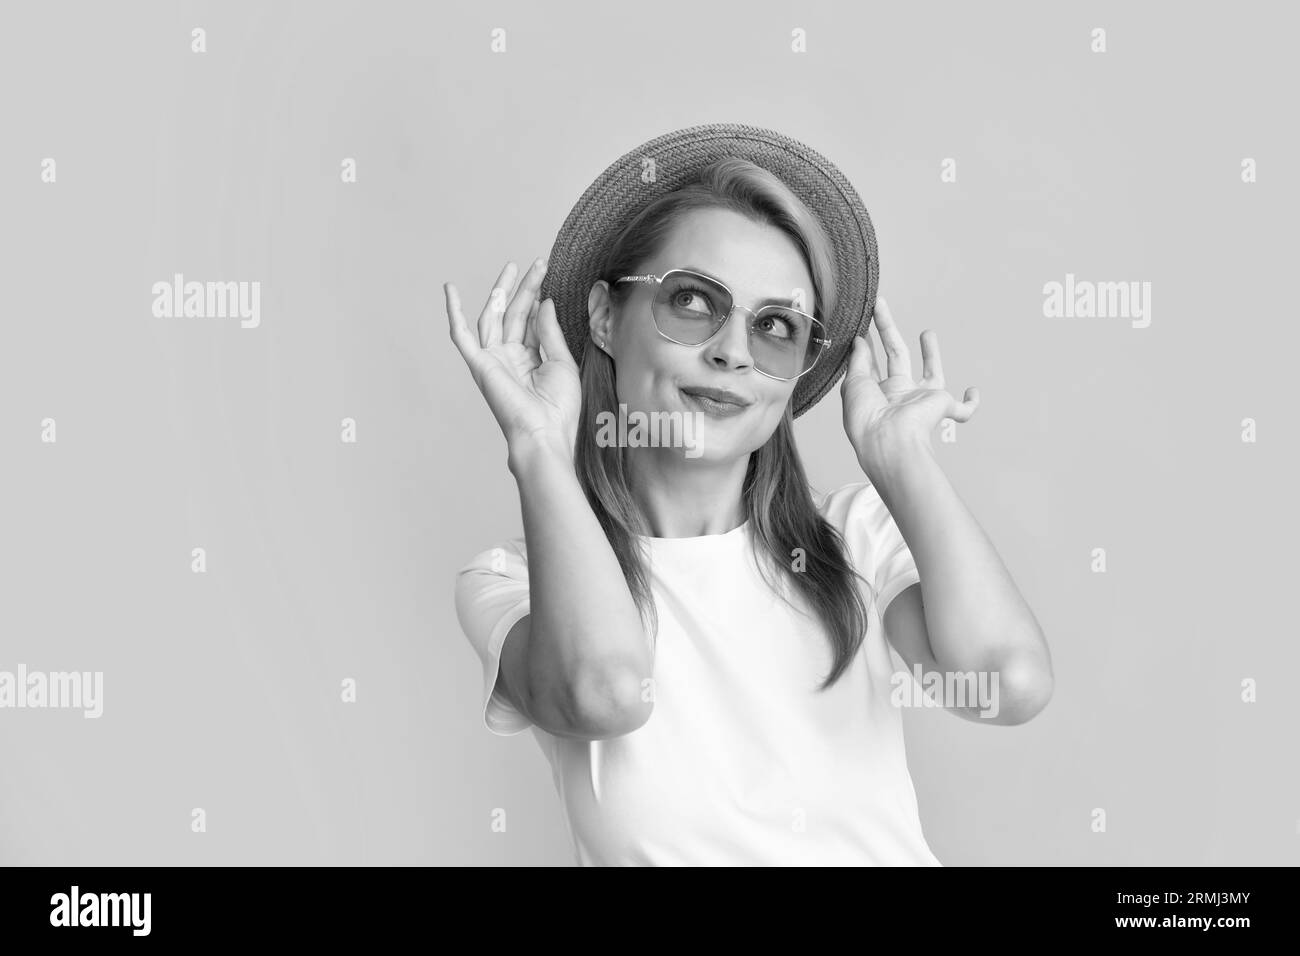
[
  {"x": 855, "y": 500},
  {"x": 860, "y": 515},
  {"x": 507, "y": 556}
]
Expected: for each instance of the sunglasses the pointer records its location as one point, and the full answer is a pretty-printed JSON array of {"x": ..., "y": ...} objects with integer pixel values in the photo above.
[{"x": 689, "y": 308}]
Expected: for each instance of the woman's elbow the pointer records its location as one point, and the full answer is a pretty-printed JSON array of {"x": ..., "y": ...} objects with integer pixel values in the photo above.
[
  {"x": 1026, "y": 687},
  {"x": 610, "y": 701}
]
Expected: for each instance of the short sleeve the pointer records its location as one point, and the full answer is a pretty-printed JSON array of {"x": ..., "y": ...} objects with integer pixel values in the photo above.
[
  {"x": 491, "y": 597},
  {"x": 874, "y": 540}
]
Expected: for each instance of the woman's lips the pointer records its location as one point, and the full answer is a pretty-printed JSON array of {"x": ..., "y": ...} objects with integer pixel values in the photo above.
[{"x": 711, "y": 406}]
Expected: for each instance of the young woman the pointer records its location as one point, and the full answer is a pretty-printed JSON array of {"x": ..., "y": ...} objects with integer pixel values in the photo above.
[{"x": 694, "y": 635}]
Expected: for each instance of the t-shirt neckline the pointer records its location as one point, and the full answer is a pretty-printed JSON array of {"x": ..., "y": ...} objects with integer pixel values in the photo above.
[{"x": 735, "y": 533}]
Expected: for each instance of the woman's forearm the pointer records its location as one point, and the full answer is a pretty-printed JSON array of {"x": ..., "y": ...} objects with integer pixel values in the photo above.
[
  {"x": 976, "y": 617},
  {"x": 587, "y": 652}
]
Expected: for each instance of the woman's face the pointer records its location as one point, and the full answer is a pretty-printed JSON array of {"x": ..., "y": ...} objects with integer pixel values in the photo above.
[{"x": 652, "y": 374}]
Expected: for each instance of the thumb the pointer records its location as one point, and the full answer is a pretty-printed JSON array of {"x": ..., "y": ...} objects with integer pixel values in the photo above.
[
  {"x": 550, "y": 335},
  {"x": 861, "y": 361}
]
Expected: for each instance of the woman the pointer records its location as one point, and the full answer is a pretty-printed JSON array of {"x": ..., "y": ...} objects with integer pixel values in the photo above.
[{"x": 685, "y": 628}]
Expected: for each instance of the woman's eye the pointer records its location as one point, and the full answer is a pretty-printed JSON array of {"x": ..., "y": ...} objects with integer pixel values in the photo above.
[
  {"x": 776, "y": 327},
  {"x": 685, "y": 298}
]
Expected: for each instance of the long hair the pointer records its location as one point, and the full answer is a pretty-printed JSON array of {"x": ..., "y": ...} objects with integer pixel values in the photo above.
[{"x": 776, "y": 496}]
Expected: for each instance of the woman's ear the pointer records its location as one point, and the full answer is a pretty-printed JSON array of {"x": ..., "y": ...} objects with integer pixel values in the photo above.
[{"x": 600, "y": 310}]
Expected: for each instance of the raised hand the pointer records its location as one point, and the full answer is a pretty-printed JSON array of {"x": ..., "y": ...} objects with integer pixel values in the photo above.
[
  {"x": 519, "y": 359},
  {"x": 887, "y": 412}
]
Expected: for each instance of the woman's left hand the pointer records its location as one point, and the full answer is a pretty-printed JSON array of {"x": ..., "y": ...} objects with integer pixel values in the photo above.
[{"x": 890, "y": 411}]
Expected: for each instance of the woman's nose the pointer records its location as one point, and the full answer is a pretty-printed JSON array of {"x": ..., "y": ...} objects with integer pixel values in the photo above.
[{"x": 729, "y": 346}]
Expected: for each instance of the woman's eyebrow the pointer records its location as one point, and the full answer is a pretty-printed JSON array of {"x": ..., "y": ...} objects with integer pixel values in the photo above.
[{"x": 762, "y": 302}]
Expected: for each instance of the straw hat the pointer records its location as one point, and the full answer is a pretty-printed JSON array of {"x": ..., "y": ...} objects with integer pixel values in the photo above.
[{"x": 619, "y": 193}]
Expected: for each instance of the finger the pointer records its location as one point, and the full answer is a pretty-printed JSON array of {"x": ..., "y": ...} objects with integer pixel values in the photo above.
[
  {"x": 899, "y": 357},
  {"x": 465, "y": 341},
  {"x": 489, "y": 320},
  {"x": 962, "y": 411},
  {"x": 530, "y": 327},
  {"x": 873, "y": 344},
  {"x": 552, "y": 339},
  {"x": 861, "y": 362},
  {"x": 931, "y": 363},
  {"x": 516, "y": 318}
]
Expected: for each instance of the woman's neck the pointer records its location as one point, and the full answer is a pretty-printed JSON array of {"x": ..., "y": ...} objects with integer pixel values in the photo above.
[{"x": 686, "y": 497}]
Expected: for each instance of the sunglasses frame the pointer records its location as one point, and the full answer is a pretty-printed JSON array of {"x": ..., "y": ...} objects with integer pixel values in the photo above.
[{"x": 658, "y": 279}]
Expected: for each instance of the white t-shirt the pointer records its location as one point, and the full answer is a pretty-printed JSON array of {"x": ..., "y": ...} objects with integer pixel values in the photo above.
[{"x": 743, "y": 761}]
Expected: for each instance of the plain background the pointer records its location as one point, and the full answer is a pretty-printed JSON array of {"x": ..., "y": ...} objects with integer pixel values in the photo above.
[{"x": 329, "y": 560}]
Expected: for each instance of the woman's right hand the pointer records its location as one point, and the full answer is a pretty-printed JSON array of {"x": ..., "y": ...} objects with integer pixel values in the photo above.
[{"x": 533, "y": 398}]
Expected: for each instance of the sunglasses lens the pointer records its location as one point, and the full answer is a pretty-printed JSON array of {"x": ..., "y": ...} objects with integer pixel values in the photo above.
[
  {"x": 689, "y": 308},
  {"x": 785, "y": 343}
]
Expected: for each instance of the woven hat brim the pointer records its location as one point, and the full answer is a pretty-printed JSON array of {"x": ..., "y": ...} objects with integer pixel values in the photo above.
[{"x": 621, "y": 191}]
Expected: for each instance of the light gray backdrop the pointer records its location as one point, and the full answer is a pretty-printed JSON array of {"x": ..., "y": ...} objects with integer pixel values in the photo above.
[{"x": 329, "y": 560}]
